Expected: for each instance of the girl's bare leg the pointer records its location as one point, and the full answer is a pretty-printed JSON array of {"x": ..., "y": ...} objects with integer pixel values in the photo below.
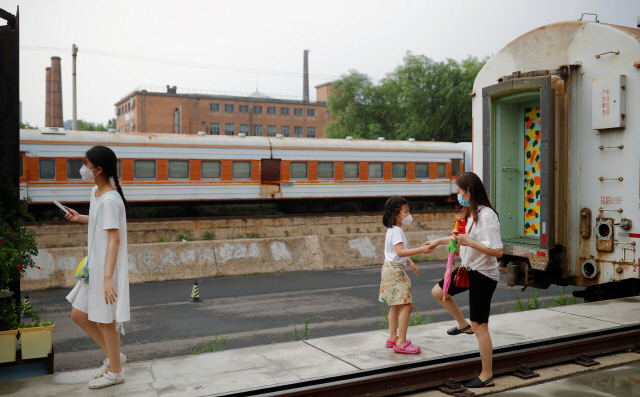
[
  {"x": 393, "y": 322},
  {"x": 90, "y": 328},
  {"x": 112, "y": 342},
  {"x": 486, "y": 349},
  {"x": 450, "y": 305},
  {"x": 405, "y": 313}
]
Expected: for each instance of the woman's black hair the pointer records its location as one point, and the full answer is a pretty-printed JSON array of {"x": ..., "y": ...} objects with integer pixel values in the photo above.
[
  {"x": 391, "y": 208},
  {"x": 477, "y": 194},
  {"x": 105, "y": 158}
]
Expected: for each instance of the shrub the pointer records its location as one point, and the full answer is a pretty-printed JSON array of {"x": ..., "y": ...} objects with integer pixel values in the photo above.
[
  {"x": 348, "y": 229},
  {"x": 183, "y": 236},
  {"x": 286, "y": 233},
  {"x": 162, "y": 238},
  {"x": 208, "y": 235},
  {"x": 330, "y": 230}
]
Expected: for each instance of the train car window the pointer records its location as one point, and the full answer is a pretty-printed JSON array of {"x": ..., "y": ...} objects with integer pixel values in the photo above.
[
  {"x": 399, "y": 170},
  {"x": 284, "y": 130},
  {"x": 244, "y": 129},
  {"x": 214, "y": 128},
  {"x": 299, "y": 170},
  {"x": 47, "y": 169},
  {"x": 210, "y": 170},
  {"x": 455, "y": 168},
  {"x": 311, "y": 132},
  {"x": 228, "y": 108},
  {"x": 241, "y": 170},
  {"x": 119, "y": 166},
  {"x": 257, "y": 109},
  {"x": 73, "y": 169},
  {"x": 351, "y": 171},
  {"x": 284, "y": 111},
  {"x": 144, "y": 170},
  {"x": 422, "y": 171},
  {"x": 442, "y": 170},
  {"x": 229, "y": 129},
  {"x": 297, "y": 132},
  {"x": 257, "y": 130},
  {"x": 214, "y": 107},
  {"x": 271, "y": 130},
  {"x": 243, "y": 109},
  {"x": 271, "y": 110},
  {"x": 311, "y": 113},
  {"x": 178, "y": 169},
  {"x": 325, "y": 170},
  {"x": 376, "y": 170},
  {"x": 297, "y": 111}
]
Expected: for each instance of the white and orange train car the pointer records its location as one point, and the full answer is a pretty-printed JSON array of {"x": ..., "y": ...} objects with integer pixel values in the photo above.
[{"x": 207, "y": 168}]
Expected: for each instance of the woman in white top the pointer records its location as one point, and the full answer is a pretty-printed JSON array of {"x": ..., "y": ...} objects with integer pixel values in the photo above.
[
  {"x": 101, "y": 302},
  {"x": 480, "y": 246}
]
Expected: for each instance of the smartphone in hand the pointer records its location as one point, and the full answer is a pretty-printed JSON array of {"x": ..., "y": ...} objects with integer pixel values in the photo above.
[{"x": 56, "y": 202}]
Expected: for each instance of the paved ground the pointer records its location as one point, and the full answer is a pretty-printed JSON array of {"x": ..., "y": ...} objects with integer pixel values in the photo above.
[{"x": 249, "y": 310}]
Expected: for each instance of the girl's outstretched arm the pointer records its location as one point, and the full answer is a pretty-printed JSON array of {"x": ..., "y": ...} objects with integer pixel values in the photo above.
[
  {"x": 110, "y": 294},
  {"x": 402, "y": 252}
]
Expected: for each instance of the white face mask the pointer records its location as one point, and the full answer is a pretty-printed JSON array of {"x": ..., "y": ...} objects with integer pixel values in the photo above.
[
  {"x": 407, "y": 220},
  {"x": 87, "y": 174}
]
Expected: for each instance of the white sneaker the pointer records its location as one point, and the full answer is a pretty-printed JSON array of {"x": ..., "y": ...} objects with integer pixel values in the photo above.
[
  {"x": 105, "y": 366},
  {"x": 106, "y": 380}
]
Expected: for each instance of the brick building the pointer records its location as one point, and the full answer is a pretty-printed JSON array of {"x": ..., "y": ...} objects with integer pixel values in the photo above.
[{"x": 150, "y": 110}]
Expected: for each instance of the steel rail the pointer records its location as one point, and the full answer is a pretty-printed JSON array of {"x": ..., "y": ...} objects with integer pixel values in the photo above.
[{"x": 429, "y": 373}]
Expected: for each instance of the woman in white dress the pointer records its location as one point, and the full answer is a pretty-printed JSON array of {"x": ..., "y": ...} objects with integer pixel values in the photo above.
[{"x": 100, "y": 304}]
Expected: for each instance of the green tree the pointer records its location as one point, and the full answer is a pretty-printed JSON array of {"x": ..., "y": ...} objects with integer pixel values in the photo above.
[
  {"x": 421, "y": 99},
  {"x": 27, "y": 126},
  {"x": 88, "y": 126}
]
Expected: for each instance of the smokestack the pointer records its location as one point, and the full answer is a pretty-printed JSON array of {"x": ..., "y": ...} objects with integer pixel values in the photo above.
[
  {"x": 305, "y": 88},
  {"x": 56, "y": 93},
  {"x": 74, "y": 123},
  {"x": 47, "y": 117}
]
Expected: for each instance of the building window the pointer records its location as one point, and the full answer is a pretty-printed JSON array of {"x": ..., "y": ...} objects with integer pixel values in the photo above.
[
  {"x": 399, "y": 170},
  {"x": 284, "y": 130},
  {"x": 47, "y": 169},
  {"x": 311, "y": 132},
  {"x": 257, "y": 109},
  {"x": 178, "y": 169},
  {"x": 210, "y": 170},
  {"x": 119, "y": 166},
  {"x": 284, "y": 111},
  {"x": 297, "y": 111},
  {"x": 298, "y": 170},
  {"x": 422, "y": 171},
  {"x": 176, "y": 122},
  {"x": 228, "y": 108},
  {"x": 271, "y": 130},
  {"x": 311, "y": 112},
  {"x": 144, "y": 170},
  {"x": 325, "y": 170},
  {"x": 376, "y": 170},
  {"x": 243, "y": 108},
  {"x": 229, "y": 129},
  {"x": 257, "y": 130},
  {"x": 215, "y": 128},
  {"x": 297, "y": 132},
  {"x": 271, "y": 110},
  {"x": 214, "y": 107},
  {"x": 73, "y": 169},
  {"x": 455, "y": 168},
  {"x": 244, "y": 129},
  {"x": 351, "y": 170},
  {"x": 241, "y": 170},
  {"x": 442, "y": 170}
]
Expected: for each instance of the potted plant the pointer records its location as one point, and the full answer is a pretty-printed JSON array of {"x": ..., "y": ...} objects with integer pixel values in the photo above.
[
  {"x": 9, "y": 323},
  {"x": 36, "y": 337}
]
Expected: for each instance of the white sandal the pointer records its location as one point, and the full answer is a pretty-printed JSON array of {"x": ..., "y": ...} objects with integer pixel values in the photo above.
[
  {"x": 105, "y": 367},
  {"x": 105, "y": 380}
]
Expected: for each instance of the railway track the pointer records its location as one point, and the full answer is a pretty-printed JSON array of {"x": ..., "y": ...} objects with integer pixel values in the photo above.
[{"x": 430, "y": 373}]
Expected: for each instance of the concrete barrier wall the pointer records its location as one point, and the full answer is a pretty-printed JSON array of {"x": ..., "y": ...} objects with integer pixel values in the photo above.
[
  {"x": 200, "y": 259},
  {"x": 75, "y": 235}
]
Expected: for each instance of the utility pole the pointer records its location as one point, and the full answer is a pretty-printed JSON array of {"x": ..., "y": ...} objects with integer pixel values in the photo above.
[{"x": 74, "y": 52}]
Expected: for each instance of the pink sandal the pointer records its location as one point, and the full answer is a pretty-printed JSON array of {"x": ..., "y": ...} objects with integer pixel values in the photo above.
[
  {"x": 391, "y": 343},
  {"x": 408, "y": 348}
]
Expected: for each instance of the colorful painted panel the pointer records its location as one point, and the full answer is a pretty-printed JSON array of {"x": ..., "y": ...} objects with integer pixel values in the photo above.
[{"x": 532, "y": 172}]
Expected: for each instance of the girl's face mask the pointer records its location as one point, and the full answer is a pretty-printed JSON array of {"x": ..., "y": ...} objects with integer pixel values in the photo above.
[
  {"x": 406, "y": 220},
  {"x": 87, "y": 174}
]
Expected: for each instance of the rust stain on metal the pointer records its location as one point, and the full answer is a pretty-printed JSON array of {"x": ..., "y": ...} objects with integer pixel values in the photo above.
[{"x": 585, "y": 223}]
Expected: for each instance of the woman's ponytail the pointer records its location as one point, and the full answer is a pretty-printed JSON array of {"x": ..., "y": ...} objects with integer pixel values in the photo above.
[
  {"x": 124, "y": 200},
  {"x": 104, "y": 157}
]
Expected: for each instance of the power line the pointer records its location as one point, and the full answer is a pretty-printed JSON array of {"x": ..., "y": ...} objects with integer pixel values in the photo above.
[{"x": 181, "y": 63}]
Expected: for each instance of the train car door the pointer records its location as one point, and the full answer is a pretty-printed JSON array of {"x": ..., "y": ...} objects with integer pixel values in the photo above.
[{"x": 270, "y": 178}]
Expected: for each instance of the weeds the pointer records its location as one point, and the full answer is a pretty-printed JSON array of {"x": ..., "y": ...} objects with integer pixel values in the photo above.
[
  {"x": 357, "y": 230},
  {"x": 286, "y": 233},
  {"x": 330, "y": 230},
  {"x": 378, "y": 228},
  {"x": 348, "y": 229},
  {"x": 208, "y": 235},
  {"x": 208, "y": 346},
  {"x": 185, "y": 237},
  {"x": 162, "y": 238},
  {"x": 414, "y": 319},
  {"x": 562, "y": 299},
  {"x": 304, "y": 334},
  {"x": 253, "y": 235},
  {"x": 368, "y": 231},
  {"x": 533, "y": 302}
]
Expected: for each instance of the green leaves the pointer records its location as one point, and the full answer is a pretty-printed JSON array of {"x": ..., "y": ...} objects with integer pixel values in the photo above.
[{"x": 421, "y": 99}]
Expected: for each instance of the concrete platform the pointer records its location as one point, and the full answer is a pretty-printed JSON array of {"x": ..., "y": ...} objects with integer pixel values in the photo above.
[{"x": 220, "y": 372}]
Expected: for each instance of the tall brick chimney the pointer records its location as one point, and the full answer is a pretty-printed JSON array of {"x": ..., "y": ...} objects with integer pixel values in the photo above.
[
  {"x": 47, "y": 117},
  {"x": 305, "y": 88},
  {"x": 56, "y": 93}
]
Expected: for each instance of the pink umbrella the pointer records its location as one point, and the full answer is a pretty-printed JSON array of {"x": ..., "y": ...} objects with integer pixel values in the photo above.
[{"x": 452, "y": 248}]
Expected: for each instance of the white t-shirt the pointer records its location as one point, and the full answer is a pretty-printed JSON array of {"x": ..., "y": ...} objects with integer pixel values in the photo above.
[
  {"x": 395, "y": 235},
  {"x": 487, "y": 231}
]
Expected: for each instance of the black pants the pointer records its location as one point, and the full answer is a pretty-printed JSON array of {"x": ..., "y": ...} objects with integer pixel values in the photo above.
[{"x": 480, "y": 289}]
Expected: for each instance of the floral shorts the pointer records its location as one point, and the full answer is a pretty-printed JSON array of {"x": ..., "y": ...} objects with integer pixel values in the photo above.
[{"x": 395, "y": 287}]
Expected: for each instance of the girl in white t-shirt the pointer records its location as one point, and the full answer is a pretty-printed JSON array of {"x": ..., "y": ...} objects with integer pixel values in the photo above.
[
  {"x": 100, "y": 304},
  {"x": 395, "y": 287}
]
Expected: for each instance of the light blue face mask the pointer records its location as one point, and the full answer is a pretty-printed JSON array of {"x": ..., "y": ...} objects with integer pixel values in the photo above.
[{"x": 463, "y": 202}]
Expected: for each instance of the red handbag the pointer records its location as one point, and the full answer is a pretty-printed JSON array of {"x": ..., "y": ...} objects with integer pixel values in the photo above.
[{"x": 462, "y": 278}]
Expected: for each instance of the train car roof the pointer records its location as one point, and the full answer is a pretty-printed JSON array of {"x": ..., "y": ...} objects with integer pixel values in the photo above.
[{"x": 156, "y": 139}]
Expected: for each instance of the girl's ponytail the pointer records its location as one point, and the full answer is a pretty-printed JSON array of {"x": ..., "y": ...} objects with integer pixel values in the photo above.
[
  {"x": 102, "y": 156},
  {"x": 115, "y": 180}
]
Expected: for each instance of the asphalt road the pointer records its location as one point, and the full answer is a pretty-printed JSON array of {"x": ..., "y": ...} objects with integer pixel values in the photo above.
[{"x": 250, "y": 310}]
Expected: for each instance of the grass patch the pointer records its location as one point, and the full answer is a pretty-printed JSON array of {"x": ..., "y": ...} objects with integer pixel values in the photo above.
[
  {"x": 348, "y": 229},
  {"x": 286, "y": 233},
  {"x": 208, "y": 235},
  {"x": 414, "y": 319},
  {"x": 185, "y": 236},
  {"x": 330, "y": 230},
  {"x": 162, "y": 238},
  {"x": 304, "y": 333},
  {"x": 253, "y": 235},
  {"x": 379, "y": 229},
  {"x": 357, "y": 230},
  {"x": 208, "y": 346}
]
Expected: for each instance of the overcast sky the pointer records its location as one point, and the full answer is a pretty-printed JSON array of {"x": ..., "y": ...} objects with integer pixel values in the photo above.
[{"x": 259, "y": 43}]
